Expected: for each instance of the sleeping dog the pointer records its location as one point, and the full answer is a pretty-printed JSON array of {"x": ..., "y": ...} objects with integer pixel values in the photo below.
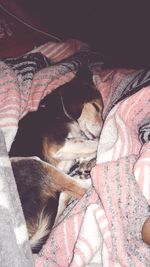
[{"x": 51, "y": 143}]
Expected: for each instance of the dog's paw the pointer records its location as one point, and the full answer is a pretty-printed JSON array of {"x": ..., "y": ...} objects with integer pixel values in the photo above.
[{"x": 65, "y": 165}]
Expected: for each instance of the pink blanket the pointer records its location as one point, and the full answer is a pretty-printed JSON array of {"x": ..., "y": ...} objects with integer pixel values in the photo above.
[{"x": 104, "y": 228}]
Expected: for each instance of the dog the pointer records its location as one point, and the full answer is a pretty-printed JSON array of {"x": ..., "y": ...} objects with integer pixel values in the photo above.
[{"x": 57, "y": 140}]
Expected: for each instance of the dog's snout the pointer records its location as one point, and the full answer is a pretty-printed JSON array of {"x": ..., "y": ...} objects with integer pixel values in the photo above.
[{"x": 90, "y": 121}]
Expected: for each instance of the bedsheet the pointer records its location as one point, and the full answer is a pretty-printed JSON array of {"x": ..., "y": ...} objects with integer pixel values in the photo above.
[{"x": 104, "y": 227}]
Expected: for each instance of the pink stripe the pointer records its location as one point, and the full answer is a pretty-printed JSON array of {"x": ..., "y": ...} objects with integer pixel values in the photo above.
[
  {"x": 68, "y": 235},
  {"x": 48, "y": 46},
  {"x": 59, "y": 51},
  {"x": 116, "y": 220},
  {"x": 8, "y": 115},
  {"x": 112, "y": 193},
  {"x": 9, "y": 124},
  {"x": 69, "y": 49}
]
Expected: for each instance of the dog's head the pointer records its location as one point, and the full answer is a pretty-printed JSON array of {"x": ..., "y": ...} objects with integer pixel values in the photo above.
[
  {"x": 82, "y": 102},
  {"x": 78, "y": 120}
]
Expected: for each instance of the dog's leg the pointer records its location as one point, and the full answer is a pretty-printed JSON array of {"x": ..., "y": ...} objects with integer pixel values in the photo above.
[
  {"x": 62, "y": 182},
  {"x": 77, "y": 149},
  {"x": 50, "y": 179}
]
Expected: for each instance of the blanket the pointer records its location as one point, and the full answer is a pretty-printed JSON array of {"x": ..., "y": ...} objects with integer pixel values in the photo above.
[{"x": 104, "y": 227}]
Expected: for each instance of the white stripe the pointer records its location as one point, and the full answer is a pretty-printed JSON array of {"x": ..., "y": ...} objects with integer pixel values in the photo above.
[
  {"x": 1, "y": 184},
  {"x": 125, "y": 143},
  {"x": 145, "y": 159},
  {"x": 117, "y": 264},
  {"x": 11, "y": 106},
  {"x": 43, "y": 49},
  {"x": 105, "y": 255},
  {"x": 4, "y": 200},
  {"x": 83, "y": 247},
  {"x": 8, "y": 120},
  {"x": 108, "y": 138},
  {"x": 9, "y": 112},
  {"x": 106, "y": 234},
  {"x": 78, "y": 260},
  {"x": 103, "y": 224},
  {"x": 4, "y": 162},
  {"x": 21, "y": 234},
  {"x": 100, "y": 213},
  {"x": 24, "y": 64},
  {"x": 9, "y": 133},
  {"x": 146, "y": 185},
  {"x": 118, "y": 147},
  {"x": 56, "y": 50},
  {"x": 137, "y": 173}
]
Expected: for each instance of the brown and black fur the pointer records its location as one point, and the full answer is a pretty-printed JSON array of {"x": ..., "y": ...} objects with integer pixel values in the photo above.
[
  {"x": 50, "y": 121},
  {"x": 33, "y": 153},
  {"x": 39, "y": 185}
]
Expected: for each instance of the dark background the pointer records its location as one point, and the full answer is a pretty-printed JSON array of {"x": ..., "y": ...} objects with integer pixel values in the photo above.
[{"x": 119, "y": 30}]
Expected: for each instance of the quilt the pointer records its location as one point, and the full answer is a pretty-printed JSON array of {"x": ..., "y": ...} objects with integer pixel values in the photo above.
[{"x": 104, "y": 227}]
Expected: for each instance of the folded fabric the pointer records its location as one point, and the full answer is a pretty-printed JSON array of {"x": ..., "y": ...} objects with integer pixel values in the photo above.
[
  {"x": 104, "y": 227},
  {"x": 24, "y": 81}
]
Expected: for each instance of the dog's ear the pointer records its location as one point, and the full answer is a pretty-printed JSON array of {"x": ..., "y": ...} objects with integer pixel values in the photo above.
[
  {"x": 84, "y": 73},
  {"x": 77, "y": 92}
]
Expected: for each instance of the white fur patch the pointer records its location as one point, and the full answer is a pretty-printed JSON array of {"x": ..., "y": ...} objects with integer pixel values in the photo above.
[{"x": 42, "y": 230}]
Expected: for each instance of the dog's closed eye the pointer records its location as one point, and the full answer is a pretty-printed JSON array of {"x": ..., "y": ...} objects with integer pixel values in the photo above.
[{"x": 96, "y": 106}]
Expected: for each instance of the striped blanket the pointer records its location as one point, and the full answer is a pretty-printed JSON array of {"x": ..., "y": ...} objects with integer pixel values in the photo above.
[{"x": 104, "y": 227}]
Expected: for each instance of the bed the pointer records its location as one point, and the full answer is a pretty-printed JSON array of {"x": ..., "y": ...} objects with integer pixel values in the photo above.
[{"x": 104, "y": 227}]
